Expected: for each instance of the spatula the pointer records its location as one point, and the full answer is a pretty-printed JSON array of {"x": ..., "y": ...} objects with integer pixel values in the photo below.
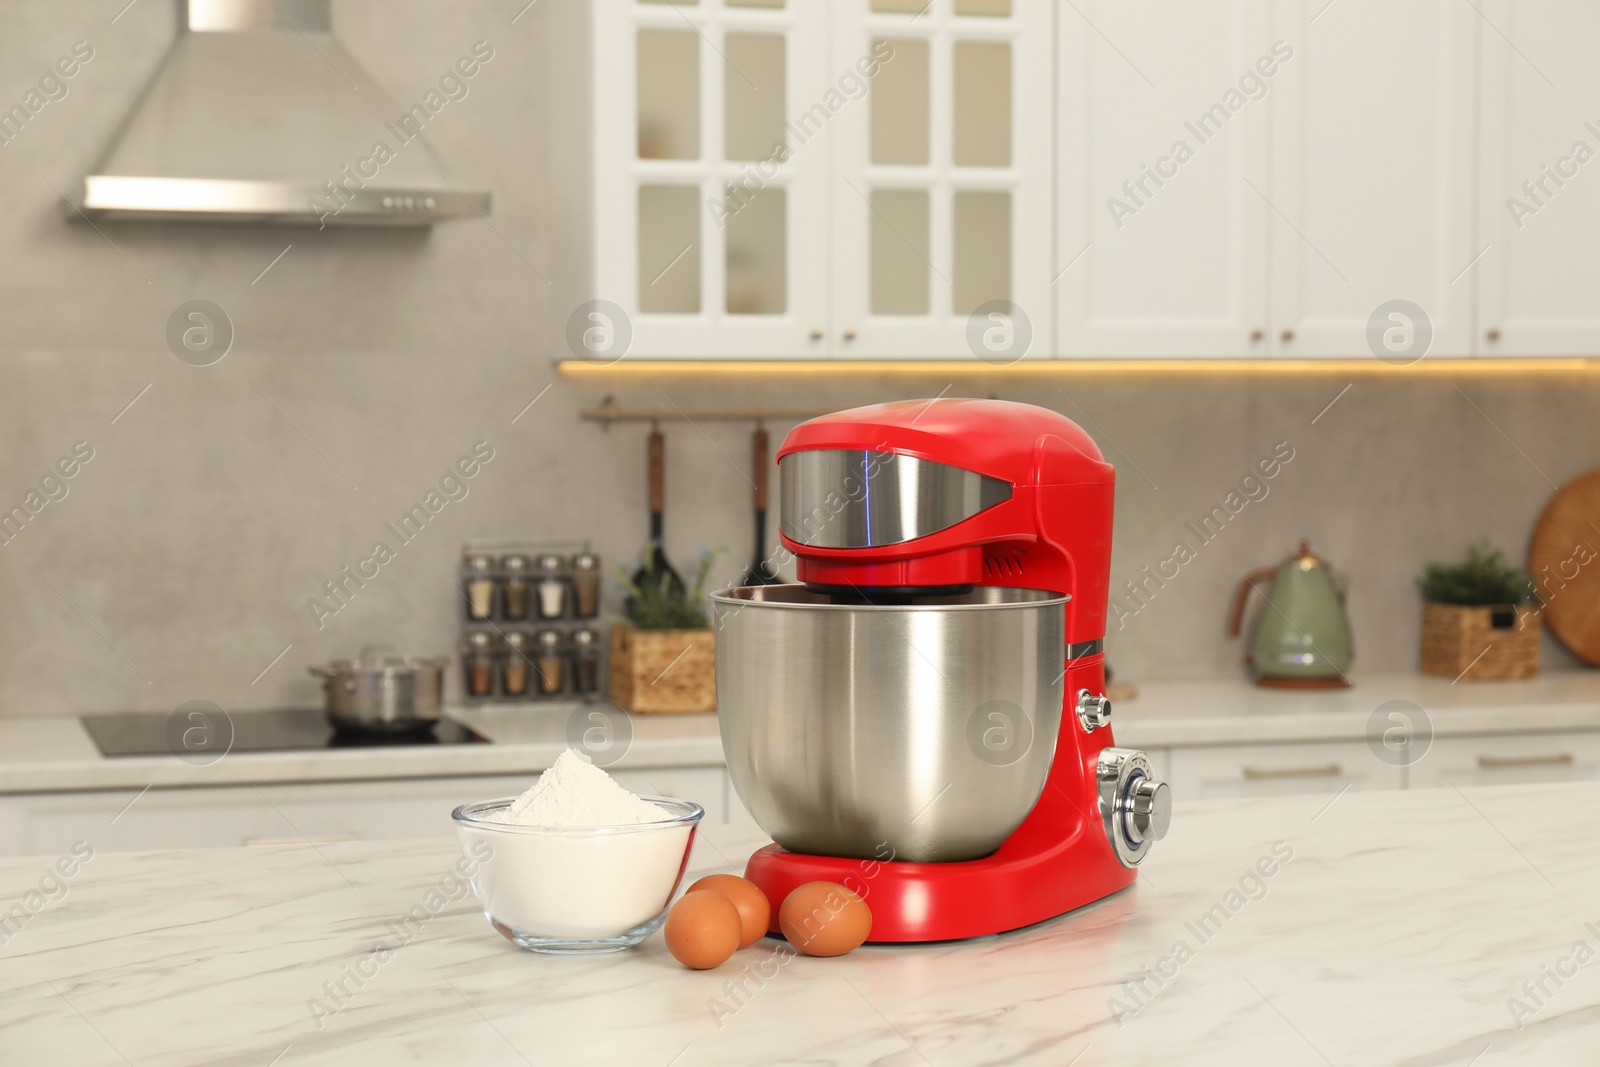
[
  {"x": 655, "y": 564},
  {"x": 761, "y": 571}
]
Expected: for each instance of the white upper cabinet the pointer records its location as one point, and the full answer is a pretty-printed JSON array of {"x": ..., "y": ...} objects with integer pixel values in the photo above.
[
  {"x": 709, "y": 184},
  {"x": 1162, "y": 157},
  {"x": 1007, "y": 179},
  {"x": 941, "y": 192},
  {"x": 801, "y": 178},
  {"x": 1372, "y": 178},
  {"x": 1540, "y": 180}
]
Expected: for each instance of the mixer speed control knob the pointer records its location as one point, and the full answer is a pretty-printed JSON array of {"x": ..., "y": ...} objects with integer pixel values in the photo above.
[
  {"x": 1135, "y": 807},
  {"x": 1093, "y": 711}
]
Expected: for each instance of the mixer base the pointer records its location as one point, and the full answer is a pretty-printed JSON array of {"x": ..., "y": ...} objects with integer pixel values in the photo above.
[{"x": 912, "y": 902}]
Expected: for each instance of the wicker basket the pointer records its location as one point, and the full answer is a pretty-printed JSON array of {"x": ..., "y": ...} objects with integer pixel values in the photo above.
[
  {"x": 663, "y": 670},
  {"x": 1473, "y": 643}
]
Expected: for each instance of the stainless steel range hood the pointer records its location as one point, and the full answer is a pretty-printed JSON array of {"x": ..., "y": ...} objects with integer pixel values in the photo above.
[{"x": 258, "y": 115}]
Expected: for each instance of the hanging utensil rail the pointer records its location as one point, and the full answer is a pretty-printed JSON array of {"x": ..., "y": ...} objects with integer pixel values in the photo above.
[{"x": 609, "y": 411}]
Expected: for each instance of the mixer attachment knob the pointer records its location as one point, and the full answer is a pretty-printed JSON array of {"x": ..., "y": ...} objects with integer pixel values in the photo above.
[
  {"x": 1149, "y": 810},
  {"x": 1093, "y": 711},
  {"x": 1135, "y": 807}
]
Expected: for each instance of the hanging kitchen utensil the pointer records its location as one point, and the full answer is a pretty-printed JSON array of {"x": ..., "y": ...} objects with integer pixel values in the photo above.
[
  {"x": 761, "y": 571},
  {"x": 655, "y": 562},
  {"x": 1302, "y": 636}
]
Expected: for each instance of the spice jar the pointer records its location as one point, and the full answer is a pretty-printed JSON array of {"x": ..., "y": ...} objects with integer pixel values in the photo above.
[
  {"x": 548, "y": 661},
  {"x": 585, "y": 662},
  {"x": 514, "y": 674},
  {"x": 480, "y": 587},
  {"x": 514, "y": 593},
  {"x": 477, "y": 661},
  {"x": 552, "y": 587},
  {"x": 586, "y": 585}
]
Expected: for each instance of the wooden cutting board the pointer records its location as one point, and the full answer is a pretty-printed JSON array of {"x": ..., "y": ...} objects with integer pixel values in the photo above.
[{"x": 1564, "y": 559}]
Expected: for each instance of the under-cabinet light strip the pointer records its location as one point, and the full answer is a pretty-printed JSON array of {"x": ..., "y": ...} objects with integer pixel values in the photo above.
[{"x": 1067, "y": 368}]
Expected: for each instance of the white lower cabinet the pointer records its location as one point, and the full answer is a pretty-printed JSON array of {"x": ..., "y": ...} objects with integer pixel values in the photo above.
[
  {"x": 322, "y": 812},
  {"x": 1503, "y": 759},
  {"x": 1328, "y": 767},
  {"x": 1161, "y": 760},
  {"x": 1277, "y": 770},
  {"x": 327, "y": 812}
]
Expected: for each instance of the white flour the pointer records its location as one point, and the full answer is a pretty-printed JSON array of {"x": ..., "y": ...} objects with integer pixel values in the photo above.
[
  {"x": 573, "y": 793},
  {"x": 553, "y": 875}
]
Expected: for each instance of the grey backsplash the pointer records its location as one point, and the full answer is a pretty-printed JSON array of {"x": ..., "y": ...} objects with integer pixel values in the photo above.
[{"x": 181, "y": 559}]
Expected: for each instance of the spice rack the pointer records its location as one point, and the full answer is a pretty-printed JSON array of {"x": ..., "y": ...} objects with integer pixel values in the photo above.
[{"x": 530, "y": 622}]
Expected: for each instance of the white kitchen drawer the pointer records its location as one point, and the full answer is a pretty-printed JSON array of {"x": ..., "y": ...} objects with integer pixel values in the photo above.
[
  {"x": 49, "y": 823},
  {"x": 1276, "y": 770},
  {"x": 237, "y": 815},
  {"x": 1506, "y": 758}
]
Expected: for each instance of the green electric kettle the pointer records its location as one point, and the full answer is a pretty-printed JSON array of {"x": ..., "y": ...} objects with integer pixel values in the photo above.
[{"x": 1302, "y": 636}]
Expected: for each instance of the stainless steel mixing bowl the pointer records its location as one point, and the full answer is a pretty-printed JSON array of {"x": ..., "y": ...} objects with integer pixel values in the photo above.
[{"x": 921, "y": 730}]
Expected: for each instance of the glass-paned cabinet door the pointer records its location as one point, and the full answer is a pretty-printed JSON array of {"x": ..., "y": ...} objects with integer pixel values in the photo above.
[
  {"x": 710, "y": 183},
  {"x": 940, "y": 189}
]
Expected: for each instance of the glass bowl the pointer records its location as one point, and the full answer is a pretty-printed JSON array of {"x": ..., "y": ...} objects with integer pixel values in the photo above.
[{"x": 576, "y": 890}]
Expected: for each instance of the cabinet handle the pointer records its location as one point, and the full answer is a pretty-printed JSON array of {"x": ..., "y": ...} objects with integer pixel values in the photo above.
[
  {"x": 1556, "y": 759},
  {"x": 1320, "y": 770},
  {"x": 1256, "y": 335},
  {"x": 816, "y": 335},
  {"x": 849, "y": 335},
  {"x": 329, "y": 839},
  {"x": 1492, "y": 334},
  {"x": 1286, "y": 335}
]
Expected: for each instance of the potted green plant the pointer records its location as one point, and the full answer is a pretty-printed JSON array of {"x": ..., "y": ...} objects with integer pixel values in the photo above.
[
  {"x": 1480, "y": 618},
  {"x": 662, "y": 650}
]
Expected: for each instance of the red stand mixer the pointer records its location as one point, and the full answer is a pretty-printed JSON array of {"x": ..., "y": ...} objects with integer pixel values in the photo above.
[{"x": 922, "y": 719}]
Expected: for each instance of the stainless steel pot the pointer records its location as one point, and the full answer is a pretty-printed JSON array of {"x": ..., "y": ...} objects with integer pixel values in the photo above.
[
  {"x": 926, "y": 728},
  {"x": 383, "y": 690}
]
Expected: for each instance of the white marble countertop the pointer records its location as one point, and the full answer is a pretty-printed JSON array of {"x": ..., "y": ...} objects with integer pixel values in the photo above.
[
  {"x": 46, "y": 754},
  {"x": 1399, "y": 931}
]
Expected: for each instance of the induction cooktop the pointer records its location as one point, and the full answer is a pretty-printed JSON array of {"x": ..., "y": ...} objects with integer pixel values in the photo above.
[{"x": 193, "y": 732}]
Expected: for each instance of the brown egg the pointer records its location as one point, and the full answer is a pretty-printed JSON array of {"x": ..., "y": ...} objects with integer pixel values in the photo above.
[
  {"x": 703, "y": 929},
  {"x": 755, "y": 912},
  {"x": 824, "y": 919}
]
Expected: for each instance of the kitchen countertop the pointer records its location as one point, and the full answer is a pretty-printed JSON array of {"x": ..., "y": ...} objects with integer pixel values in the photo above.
[
  {"x": 1393, "y": 929},
  {"x": 1173, "y": 714},
  {"x": 44, "y": 754},
  {"x": 39, "y": 754}
]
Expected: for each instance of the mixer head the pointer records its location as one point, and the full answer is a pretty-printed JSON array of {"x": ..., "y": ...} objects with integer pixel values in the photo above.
[{"x": 894, "y": 502}]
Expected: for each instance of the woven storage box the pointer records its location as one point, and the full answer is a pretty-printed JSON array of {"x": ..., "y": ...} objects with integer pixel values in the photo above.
[
  {"x": 663, "y": 670},
  {"x": 1475, "y": 643}
]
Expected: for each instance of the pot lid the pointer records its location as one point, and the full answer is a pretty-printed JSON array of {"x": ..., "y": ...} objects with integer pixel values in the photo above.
[{"x": 384, "y": 658}]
